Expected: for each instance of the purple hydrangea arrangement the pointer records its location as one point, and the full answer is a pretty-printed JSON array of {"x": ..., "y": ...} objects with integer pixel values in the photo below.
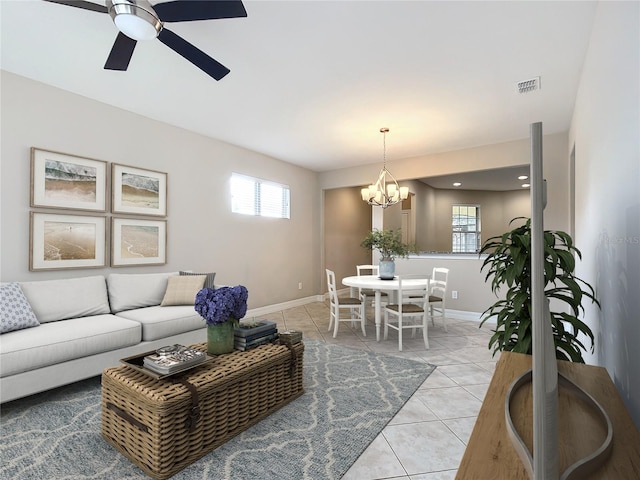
[{"x": 222, "y": 304}]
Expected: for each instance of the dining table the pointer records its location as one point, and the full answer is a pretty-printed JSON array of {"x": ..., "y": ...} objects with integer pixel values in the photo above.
[{"x": 379, "y": 285}]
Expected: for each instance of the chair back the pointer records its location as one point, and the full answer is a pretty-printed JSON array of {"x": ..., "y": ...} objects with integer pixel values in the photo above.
[
  {"x": 368, "y": 270},
  {"x": 439, "y": 279},
  {"x": 331, "y": 284},
  {"x": 414, "y": 289}
]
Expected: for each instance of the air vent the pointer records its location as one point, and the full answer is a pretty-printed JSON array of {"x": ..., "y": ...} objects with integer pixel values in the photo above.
[{"x": 530, "y": 85}]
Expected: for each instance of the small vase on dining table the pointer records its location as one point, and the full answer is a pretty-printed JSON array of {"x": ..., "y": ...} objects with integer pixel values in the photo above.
[
  {"x": 220, "y": 338},
  {"x": 387, "y": 269}
]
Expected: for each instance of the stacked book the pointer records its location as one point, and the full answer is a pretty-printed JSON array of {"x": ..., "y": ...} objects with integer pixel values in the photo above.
[{"x": 251, "y": 334}]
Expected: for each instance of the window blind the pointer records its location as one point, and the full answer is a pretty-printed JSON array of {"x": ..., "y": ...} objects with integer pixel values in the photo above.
[{"x": 254, "y": 196}]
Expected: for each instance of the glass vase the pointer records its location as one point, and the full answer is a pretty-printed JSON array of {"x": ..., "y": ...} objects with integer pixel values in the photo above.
[{"x": 220, "y": 338}]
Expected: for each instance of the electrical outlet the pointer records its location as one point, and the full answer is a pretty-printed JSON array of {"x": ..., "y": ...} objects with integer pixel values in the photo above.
[
  {"x": 454, "y": 294},
  {"x": 300, "y": 286}
]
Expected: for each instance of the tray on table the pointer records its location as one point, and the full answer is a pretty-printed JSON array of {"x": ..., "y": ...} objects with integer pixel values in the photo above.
[{"x": 137, "y": 363}]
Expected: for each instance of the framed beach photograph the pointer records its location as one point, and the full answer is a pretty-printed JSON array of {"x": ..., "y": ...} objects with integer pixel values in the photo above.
[
  {"x": 60, "y": 180},
  {"x": 138, "y": 191},
  {"x": 66, "y": 241},
  {"x": 138, "y": 242}
]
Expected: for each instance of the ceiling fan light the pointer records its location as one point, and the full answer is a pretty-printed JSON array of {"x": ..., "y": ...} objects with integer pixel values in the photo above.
[
  {"x": 135, "y": 27},
  {"x": 135, "y": 18}
]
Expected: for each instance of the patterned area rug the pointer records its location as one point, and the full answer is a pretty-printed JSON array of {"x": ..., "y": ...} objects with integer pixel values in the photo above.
[{"x": 350, "y": 395}]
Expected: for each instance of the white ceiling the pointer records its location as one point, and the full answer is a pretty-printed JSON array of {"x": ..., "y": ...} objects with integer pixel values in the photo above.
[
  {"x": 497, "y": 179},
  {"x": 312, "y": 82}
]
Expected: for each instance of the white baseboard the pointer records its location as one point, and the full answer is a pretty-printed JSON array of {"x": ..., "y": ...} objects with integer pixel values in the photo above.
[
  {"x": 277, "y": 307},
  {"x": 464, "y": 315}
]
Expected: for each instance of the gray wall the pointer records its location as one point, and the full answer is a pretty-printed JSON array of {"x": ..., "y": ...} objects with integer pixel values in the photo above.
[
  {"x": 424, "y": 204},
  {"x": 465, "y": 277},
  {"x": 497, "y": 209},
  {"x": 347, "y": 220},
  {"x": 605, "y": 132},
  {"x": 433, "y": 213},
  {"x": 269, "y": 256}
]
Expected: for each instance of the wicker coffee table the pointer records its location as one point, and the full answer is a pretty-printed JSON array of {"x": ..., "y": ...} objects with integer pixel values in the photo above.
[{"x": 163, "y": 425}]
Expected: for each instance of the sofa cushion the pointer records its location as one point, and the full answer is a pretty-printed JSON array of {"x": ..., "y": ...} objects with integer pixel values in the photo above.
[
  {"x": 160, "y": 322},
  {"x": 57, "y": 342},
  {"x": 182, "y": 290},
  {"x": 53, "y": 300},
  {"x": 208, "y": 283},
  {"x": 15, "y": 311},
  {"x": 129, "y": 290}
]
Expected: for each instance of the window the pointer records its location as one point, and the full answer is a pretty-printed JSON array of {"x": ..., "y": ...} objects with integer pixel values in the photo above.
[
  {"x": 466, "y": 228},
  {"x": 252, "y": 196}
]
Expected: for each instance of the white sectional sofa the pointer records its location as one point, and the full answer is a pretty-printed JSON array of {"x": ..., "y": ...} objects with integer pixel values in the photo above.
[{"x": 87, "y": 324}]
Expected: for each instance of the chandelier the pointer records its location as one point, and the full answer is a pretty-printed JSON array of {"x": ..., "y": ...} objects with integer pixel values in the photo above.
[{"x": 386, "y": 190}]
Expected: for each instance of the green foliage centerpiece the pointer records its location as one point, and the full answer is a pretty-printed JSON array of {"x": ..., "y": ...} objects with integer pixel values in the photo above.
[
  {"x": 509, "y": 262},
  {"x": 390, "y": 245},
  {"x": 221, "y": 308}
]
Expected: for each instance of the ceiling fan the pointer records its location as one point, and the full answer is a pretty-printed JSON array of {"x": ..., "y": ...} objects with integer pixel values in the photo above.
[{"x": 138, "y": 20}]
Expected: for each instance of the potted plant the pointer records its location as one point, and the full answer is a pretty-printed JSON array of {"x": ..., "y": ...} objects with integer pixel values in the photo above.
[
  {"x": 221, "y": 308},
  {"x": 390, "y": 245},
  {"x": 509, "y": 262}
]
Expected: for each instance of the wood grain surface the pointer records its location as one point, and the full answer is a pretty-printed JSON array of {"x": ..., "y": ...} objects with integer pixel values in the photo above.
[{"x": 490, "y": 454}]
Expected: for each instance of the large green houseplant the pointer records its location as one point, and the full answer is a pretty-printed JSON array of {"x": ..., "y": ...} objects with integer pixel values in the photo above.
[
  {"x": 390, "y": 245},
  {"x": 509, "y": 262}
]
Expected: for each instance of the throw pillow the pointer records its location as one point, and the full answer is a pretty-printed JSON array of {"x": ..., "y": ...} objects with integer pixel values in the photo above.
[
  {"x": 208, "y": 283},
  {"x": 15, "y": 311},
  {"x": 136, "y": 290},
  {"x": 182, "y": 290}
]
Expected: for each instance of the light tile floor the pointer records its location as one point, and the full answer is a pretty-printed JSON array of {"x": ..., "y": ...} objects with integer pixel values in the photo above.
[{"x": 427, "y": 437}]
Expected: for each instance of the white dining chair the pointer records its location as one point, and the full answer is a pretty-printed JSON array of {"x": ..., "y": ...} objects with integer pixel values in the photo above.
[
  {"x": 411, "y": 311},
  {"x": 368, "y": 293},
  {"x": 336, "y": 304},
  {"x": 438, "y": 295}
]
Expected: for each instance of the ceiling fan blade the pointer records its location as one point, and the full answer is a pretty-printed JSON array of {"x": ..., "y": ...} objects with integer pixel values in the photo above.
[
  {"x": 189, "y": 10},
  {"x": 121, "y": 52},
  {"x": 81, "y": 4},
  {"x": 196, "y": 56}
]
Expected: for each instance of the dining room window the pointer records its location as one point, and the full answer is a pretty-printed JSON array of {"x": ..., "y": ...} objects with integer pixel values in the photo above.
[
  {"x": 254, "y": 196},
  {"x": 466, "y": 235}
]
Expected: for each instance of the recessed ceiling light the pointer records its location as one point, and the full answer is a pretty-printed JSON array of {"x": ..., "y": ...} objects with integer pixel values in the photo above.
[
  {"x": 456, "y": 184},
  {"x": 526, "y": 185},
  {"x": 522, "y": 177}
]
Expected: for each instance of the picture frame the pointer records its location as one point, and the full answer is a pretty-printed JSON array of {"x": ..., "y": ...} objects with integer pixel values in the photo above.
[
  {"x": 59, "y": 241},
  {"x": 136, "y": 241},
  {"x": 65, "y": 181},
  {"x": 138, "y": 191}
]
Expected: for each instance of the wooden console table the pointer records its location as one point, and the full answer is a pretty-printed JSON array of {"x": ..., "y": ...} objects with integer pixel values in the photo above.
[{"x": 490, "y": 454}]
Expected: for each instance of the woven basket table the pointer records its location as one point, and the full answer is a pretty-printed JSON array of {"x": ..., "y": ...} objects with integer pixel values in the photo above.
[{"x": 163, "y": 425}]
